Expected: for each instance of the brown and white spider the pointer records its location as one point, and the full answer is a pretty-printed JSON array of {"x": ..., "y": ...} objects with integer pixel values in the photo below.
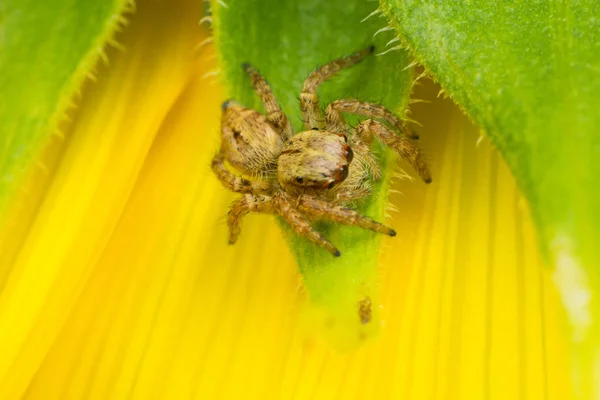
[{"x": 314, "y": 174}]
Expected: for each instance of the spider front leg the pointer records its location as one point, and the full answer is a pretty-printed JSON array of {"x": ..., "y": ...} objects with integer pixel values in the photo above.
[
  {"x": 275, "y": 115},
  {"x": 335, "y": 120},
  {"x": 400, "y": 144},
  {"x": 241, "y": 207},
  {"x": 309, "y": 101},
  {"x": 233, "y": 182},
  {"x": 285, "y": 208},
  {"x": 323, "y": 210}
]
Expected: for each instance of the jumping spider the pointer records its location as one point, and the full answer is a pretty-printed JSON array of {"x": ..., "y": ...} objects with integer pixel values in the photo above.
[{"x": 314, "y": 174}]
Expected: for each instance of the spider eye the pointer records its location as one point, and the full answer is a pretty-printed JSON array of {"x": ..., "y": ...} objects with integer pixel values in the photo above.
[
  {"x": 343, "y": 172},
  {"x": 349, "y": 154},
  {"x": 299, "y": 179},
  {"x": 236, "y": 134}
]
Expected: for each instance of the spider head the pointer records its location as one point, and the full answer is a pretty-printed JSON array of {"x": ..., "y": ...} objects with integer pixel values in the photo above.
[
  {"x": 314, "y": 159},
  {"x": 249, "y": 142}
]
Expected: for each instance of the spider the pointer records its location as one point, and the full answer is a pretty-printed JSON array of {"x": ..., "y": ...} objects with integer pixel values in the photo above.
[{"x": 315, "y": 174}]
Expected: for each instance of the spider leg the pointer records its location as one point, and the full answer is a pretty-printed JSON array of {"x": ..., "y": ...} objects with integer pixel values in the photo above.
[
  {"x": 335, "y": 120},
  {"x": 400, "y": 144},
  {"x": 300, "y": 224},
  {"x": 233, "y": 182},
  {"x": 309, "y": 101},
  {"x": 241, "y": 207},
  {"x": 275, "y": 115},
  {"x": 324, "y": 210}
]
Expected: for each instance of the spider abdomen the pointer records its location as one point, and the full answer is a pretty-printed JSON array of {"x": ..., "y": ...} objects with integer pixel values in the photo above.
[{"x": 249, "y": 143}]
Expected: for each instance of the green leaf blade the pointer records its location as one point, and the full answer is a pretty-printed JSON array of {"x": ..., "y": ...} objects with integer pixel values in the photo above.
[{"x": 286, "y": 41}]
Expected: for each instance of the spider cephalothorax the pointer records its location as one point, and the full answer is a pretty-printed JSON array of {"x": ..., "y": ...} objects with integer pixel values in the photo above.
[{"x": 314, "y": 174}]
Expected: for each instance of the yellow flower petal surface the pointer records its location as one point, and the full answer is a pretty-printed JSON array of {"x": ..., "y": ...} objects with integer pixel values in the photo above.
[
  {"x": 105, "y": 152},
  {"x": 124, "y": 286}
]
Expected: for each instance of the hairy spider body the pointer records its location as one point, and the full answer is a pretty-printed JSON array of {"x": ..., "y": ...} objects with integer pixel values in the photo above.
[{"x": 314, "y": 174}]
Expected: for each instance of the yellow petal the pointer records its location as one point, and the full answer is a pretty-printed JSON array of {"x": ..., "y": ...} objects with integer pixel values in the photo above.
[
  {"x": 104, "y": 153},
  {"x": 124, "y": 287}
]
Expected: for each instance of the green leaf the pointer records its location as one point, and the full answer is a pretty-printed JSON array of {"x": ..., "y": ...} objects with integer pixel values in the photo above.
[
  {"x": 47, "y": 48},
  {"x": 529, "y": 73},
  {"x": 286, "y": 41}
]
